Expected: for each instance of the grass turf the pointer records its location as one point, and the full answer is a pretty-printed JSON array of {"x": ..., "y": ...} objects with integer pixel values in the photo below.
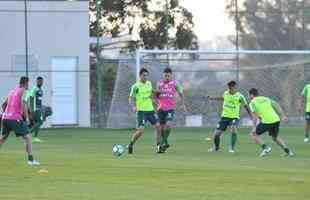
[{"x": 81, "y": 166}]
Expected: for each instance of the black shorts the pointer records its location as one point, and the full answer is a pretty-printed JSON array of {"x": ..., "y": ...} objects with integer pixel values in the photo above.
[
  {"x": 166, "y": 116},
  {"x": 146, "y": 116},
  {"x": 19, "y": 127},
  {"x": 225, "y": 122},
  {"x": 307, "y": 116},
  {"x": 273, "y": 129}
]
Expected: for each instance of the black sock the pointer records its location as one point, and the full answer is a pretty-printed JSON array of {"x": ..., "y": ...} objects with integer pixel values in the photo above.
[
  {"x": 264, "y": 146},
  {"x": 217, "y": 142},
  {"x": 286, "y": 150},
  {"x": 131, "y": 143},
  {"x": 30, "y": 158}
]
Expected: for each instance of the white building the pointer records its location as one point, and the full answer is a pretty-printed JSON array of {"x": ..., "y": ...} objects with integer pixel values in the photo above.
[{"x": 58, "y": 49}]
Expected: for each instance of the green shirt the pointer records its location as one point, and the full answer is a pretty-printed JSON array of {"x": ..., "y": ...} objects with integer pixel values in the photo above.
[
  {"x": 263, "y": 108},
  {"x": 25, "y": 96},
  {"x": 232, "y": 104},
  {"x": 179, "y": 87},
  {"x": 306, "y": 93},
  {"x": 143, "y": 93},
  {"x": 36, "y": 93}
]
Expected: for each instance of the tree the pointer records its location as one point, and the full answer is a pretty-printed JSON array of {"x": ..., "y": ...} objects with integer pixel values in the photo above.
[
  {"x": 268, "y": 25},
  {"x": 153, "y": 23},
  {"x": 272, "y": 24}
]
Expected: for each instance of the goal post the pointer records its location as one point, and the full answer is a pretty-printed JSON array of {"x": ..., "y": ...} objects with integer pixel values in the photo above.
[{"x": 279, "y": 74}]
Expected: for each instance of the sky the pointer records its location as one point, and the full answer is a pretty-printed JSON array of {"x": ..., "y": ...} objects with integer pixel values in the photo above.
[{"x": 210, "y": 18}]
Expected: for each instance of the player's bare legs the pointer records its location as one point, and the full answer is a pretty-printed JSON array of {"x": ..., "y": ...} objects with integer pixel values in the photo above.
[
  {"x": 282, "y": 144},
  {"x": 233, "y": 138},
  {"x": 158, "y": 133},
  {"x": 166, "y": 132},
  {"x": 307, "y": 129},
  {"x": 217, "y": 139},
  {"x": 258, "y": 140},
  {"x": 135, "y": 136}
]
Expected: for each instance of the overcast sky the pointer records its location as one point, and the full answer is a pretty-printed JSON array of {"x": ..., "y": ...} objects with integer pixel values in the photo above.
[{"x": 210, "y": 18}]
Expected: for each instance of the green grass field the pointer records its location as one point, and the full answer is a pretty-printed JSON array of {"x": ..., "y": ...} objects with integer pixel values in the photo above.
[{"x": 81, "y": 166}]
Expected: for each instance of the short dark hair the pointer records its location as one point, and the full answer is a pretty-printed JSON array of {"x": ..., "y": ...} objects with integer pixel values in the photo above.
[
  {"x": 231, "y": 83},
  {"x": 23, "y": 80},
  {"x": 143, "y": 70},
  {"x": 39, "y": 78},
  {"x": 254, "y": 92},
  {"x": 168, "y": 70}
]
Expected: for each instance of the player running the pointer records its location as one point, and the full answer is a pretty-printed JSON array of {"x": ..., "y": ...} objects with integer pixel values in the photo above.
[
  {"x": 305, "y": 99},
  {"x": 12, "y": 118},
  {"x": 35, "y": 98},
  {"x": 265, "y": 117},
  {"x": 167, "y": 90},
  {"x": 232, "y": 101},
  {"x": 142, "y": 93}
]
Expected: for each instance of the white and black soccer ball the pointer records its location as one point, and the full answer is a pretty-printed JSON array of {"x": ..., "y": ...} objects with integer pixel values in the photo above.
[{"x": 118, "y": 150}]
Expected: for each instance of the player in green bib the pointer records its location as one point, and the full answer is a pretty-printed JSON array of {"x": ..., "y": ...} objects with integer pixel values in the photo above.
[
  {"x": 305, "y": 99},
  {"x": 266, "y": 118},
  {"x": 142, "y": 93},
  {"x": 232, "y": 102},
  {"x": 36, "y": 108}
]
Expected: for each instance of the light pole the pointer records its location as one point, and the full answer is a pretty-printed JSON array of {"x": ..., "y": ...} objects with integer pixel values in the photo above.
[
  {"x": 26, "y": 37},
  {"x": 237, "y": 39},
  {"x": 98, "y": 70}
]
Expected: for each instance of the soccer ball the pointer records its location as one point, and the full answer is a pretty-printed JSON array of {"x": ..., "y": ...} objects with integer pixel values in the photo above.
[{"x": 118, "y": 150}]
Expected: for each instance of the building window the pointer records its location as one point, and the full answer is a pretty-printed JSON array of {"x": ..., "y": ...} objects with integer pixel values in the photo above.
[{"x": 19, "y": 64}]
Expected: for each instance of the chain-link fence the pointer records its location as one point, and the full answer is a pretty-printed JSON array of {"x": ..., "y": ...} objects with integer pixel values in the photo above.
[
  {"x": 278, "y": 76},
  {"x": 66, "y": 43}
]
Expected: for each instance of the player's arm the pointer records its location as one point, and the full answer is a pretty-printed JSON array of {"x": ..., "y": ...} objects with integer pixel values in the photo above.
[
  {"x": 255, "y": 117},
  {"x": 155, "y": 94},
  {"x": 25, "y": 107},
  {"x": 246, "y": 106},
  {"x": 279, "y": 110},
  {"x": 132, "y": 97},
  {"x": 4, "y": 104},
  {"x": 180, "y": 91}
]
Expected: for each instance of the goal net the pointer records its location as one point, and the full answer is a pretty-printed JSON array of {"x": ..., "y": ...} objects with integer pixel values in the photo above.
[{"x": 280, "y": 75}]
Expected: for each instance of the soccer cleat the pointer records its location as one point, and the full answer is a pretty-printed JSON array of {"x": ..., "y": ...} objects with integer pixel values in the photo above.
[
  {"x": 231, "y": 151},
  {"x": 33, "y": 163},
  {"x": 306, "y": 140},
  {"x": 290, "y": 153},
  {"x": 213, "y": 150},
  {"x": 159, "y": 149},
  {"x": 165, "y": 147},
  {"x": 130, "y": 149},
  {"x": 37, "y": 140},
  {"x": 265, "y": 152}
]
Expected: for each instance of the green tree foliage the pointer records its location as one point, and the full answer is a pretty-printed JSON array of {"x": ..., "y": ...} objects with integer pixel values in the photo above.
[
  {"x": 274, "y": 25},
  {"x": 154, "y": 24}
]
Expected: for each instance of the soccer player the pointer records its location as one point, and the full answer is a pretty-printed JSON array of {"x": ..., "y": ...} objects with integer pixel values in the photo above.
[
  {"x": 232, "y": 101},
  {"x": 142, "y": 93},
  {"x": 35, "y": 98},
  {"x": 305, "y": 99},
  {"x": 167, "y": 90},
  {"x": 12, "y": 118},
  {"x": 265, "y": 114}
]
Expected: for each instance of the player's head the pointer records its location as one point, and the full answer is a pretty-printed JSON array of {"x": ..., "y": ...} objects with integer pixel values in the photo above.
[
  {"x": 232, "y": 86},
  {"x": 143, "y": 74},
  {"x": 39, "y": 81},
  {"x": 23, "y": 82},
  {"x": 167, "y": 74},
  {"x": 253, "y": 92}
]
